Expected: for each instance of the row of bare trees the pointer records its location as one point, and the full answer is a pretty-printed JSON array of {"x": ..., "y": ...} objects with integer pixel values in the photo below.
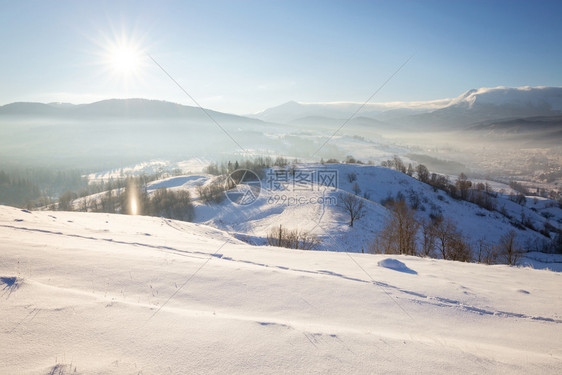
[{"x": 404, "y": 233}]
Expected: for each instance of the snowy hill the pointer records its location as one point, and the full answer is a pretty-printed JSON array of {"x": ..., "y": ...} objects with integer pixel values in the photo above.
[
  {"x": 114, "y": 294},
  {"x": 315, "y": 209},
  {"x": 331, "y": 224}
]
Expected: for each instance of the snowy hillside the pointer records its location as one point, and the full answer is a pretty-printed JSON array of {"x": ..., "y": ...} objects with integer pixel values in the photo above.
[
  {"x": 99, "y": 293},
  {"x": 315, "y": 209}
]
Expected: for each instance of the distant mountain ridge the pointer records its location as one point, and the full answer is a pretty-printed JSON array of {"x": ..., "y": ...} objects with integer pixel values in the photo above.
[
  {"x": 471, "y": 107},
  {"x": 116, "y": 108},
  {"x": 549, "y": 127}
]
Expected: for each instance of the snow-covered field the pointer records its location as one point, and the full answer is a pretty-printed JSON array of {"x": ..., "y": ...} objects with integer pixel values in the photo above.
[{"x": 100, "y": 293}]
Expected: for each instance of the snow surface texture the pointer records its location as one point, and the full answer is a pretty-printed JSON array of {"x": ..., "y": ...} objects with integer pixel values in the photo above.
[{"x": 115, "y": 294}]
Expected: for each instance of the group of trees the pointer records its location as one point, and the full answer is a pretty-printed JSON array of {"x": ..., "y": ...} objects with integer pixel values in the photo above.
[
  {"x": 398, "y": 235},
  {"x": 397, "y": 164},
  {"x": 256, "y": 165},
  {"x": 213, "y": 192},
  {"x": 17, "y": 191},
  {"x": 480, "y": 193},
  {"x": 34, "y": 187},
  {"x": 440, "y": 237},
  {"x": 292, "y": 239},
  {"x": 132, "y": 199}
]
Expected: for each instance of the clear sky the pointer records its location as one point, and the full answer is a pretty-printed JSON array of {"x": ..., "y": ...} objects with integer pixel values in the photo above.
[{"x": 245, "y": 56}]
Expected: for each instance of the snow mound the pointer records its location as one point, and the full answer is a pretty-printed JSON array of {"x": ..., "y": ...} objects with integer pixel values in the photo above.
[{"x": 396, "y": 265}]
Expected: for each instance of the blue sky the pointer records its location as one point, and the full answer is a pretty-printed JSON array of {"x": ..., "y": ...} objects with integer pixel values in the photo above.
[{"x": 245, "y": 56}]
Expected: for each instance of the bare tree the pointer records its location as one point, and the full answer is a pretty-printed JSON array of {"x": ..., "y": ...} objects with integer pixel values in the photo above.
[
  {"x": 398, "y": 164},
  {"x": 398, "y": 235},
  {"x": 448, "y": 237},
  {"x": 508, "y": 248},
  {"x": 486, "y": 253},
  {"x": 429, "y": 237},
  {"x": 459, "y": 248},
  {"x": 423, "y": 173},
  {"x": 410, "y": 171},
  {"x": 66, "y": 201},
  {"x": 353, "y": 205},
  {"x": 463, "y": 184}
]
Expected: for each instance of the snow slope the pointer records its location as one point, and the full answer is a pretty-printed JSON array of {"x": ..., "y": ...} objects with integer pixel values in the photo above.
[
  {"x": 316, "y": 210},
  {"x": 100, "y": 293},
  {"x": 328, "y": 221}
]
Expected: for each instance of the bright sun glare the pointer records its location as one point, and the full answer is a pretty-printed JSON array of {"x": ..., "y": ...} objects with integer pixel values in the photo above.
[
  {"x": 124, "y": 56},
  {"x": 125, "y": 59}
]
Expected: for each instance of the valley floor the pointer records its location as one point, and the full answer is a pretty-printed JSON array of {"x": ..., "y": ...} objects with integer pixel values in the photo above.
[{"x": 100, "y": 293}]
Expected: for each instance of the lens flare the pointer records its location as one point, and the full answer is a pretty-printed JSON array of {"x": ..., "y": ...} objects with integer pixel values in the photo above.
[
  {"x": 133, "y": 199},
  {"x": 134, "y": 208}
]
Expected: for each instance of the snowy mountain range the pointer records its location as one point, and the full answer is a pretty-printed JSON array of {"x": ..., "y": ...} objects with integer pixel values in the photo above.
[
  {"x": 118, "y": 132},
  {"x": 473, "y": 106}
]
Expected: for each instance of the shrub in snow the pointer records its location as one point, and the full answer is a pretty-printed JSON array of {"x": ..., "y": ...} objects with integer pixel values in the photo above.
[{"x": 292, "y": 239}]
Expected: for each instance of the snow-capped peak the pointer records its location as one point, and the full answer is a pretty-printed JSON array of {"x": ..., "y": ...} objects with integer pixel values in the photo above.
[{"x": 549, "y": 98}]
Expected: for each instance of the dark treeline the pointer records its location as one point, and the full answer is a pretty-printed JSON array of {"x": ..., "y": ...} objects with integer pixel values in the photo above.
[
  {"x": 40, "y": 187},
  {"x": 33, "y": 187},
  {"x": 256, "y": 165}
]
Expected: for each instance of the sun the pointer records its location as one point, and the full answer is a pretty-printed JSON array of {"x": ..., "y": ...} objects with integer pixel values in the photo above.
[
  {"x": 121, "y": 58},
  {"x": 125, "y": 58}
]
